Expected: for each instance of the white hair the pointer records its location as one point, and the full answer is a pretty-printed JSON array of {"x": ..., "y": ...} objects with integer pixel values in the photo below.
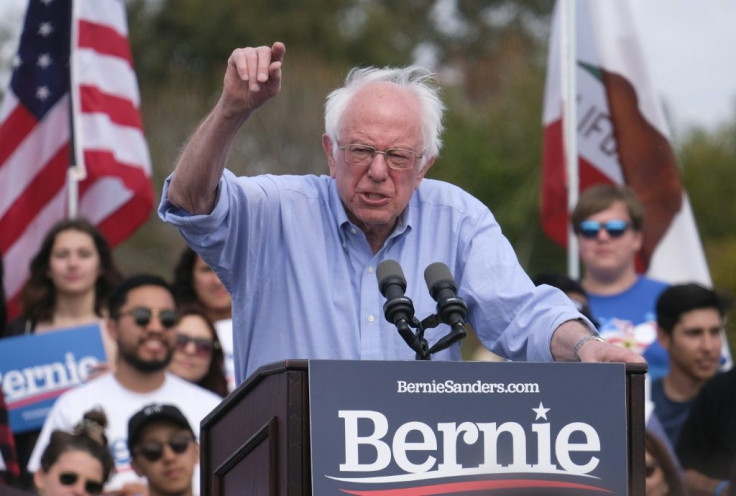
[{"x": 419, "y": 81}]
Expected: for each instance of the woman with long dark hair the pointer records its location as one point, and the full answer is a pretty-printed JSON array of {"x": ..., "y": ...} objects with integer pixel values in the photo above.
[
  {"x": 196, "y": 283},
  {"x": 198, "y": 355},
  {"x": 70, "y": 278}
]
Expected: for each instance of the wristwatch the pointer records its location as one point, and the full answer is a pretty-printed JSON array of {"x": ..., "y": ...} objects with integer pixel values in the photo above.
[{"x": 582, "y": 341}]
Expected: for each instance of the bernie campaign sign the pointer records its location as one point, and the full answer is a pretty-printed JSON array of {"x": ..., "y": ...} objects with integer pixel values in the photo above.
[
  {"x": 36, "y": 369},
  {"x": 467, "y": 428}
]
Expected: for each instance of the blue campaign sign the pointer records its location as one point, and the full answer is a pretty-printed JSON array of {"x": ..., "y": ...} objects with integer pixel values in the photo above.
[
  {"x": 470, "y": 428},
  {"x": 36, "y": 369}
]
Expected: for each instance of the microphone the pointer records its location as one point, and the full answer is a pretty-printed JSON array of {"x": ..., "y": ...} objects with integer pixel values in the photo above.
[
  {"x": 392, "y": 284},
  {"x": 398, "y": 308},
  {"x": 451, "y": 309}
]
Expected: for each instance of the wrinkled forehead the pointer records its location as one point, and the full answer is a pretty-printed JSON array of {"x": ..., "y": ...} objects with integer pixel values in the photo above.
[
  {"x": 382, "y": 105},
  {"x": 384, "y": 92}
]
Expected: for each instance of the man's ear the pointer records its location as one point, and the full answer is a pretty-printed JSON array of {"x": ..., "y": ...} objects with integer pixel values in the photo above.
[
  {"x": 664, "y": 338},
  {"x": 111, "y": 328},
  {"x": 134, "y": 465},
  {"x": 425, "y": 169},
  {"x": 38, "y": 480},
  {"x": 638, "y": 240},
  {"x": 327, "y": 147}
]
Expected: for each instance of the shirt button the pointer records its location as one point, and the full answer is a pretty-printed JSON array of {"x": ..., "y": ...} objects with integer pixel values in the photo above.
[
  {"x": 370, "y": 270},
  {"x": 371, "y": 318},
  {"x": 353, "y": 230}
]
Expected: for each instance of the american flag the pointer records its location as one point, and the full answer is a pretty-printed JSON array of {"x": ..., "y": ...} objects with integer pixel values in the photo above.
[{"x": 73, "y": 91}]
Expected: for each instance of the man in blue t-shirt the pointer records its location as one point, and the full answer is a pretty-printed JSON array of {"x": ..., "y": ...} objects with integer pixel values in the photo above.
[{"x": 608, "y": 222}]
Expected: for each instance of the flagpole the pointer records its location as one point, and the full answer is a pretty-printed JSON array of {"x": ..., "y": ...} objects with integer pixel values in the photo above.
[
  {"x": 77, "y": 171},
  {"x": 569, "y": 92}
]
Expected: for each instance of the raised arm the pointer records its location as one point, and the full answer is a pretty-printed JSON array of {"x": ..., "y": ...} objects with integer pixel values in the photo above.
[{"x": 252, "y": 78}]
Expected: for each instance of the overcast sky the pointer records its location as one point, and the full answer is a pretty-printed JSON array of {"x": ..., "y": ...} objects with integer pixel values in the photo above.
[{"x": 688, "y": 45}]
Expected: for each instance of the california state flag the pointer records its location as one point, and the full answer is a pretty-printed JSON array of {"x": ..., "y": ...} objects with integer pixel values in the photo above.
[{"x": 622, "y": 138}]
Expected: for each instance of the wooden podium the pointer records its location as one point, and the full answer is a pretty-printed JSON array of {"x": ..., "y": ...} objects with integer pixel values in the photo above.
[{"x": 257, "y": 443}]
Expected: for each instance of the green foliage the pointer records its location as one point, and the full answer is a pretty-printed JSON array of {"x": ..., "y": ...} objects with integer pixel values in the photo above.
[
  {"x": 708, "y": 171},
  {"x": 709, "y": 176}
]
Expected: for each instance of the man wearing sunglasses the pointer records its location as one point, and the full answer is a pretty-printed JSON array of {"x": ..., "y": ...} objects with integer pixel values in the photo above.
[
  {"x": 142, "y": 322},
  {"x": 608, "y": 222},
  {"x": 164, "y": 449}
]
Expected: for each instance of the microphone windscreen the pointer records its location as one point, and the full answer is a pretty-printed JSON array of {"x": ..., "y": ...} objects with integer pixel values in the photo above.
[
  {"x": 387, "y": 270},
  {"x": 436, "y": 273}
]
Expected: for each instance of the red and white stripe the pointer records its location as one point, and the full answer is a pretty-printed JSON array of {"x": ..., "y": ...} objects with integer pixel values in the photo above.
[{"x": 111, "y": 151}]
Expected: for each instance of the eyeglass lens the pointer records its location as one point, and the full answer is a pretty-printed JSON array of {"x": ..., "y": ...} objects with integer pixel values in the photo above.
[
  {"x": 143, "y": 316},
  {"x": 396, "y": 158},
  {"x": 154, "y": 450},
  {"x": 615, "y": 228},
  {"x": 91, "y": 486},
  {"x": 203, "y": 346}
]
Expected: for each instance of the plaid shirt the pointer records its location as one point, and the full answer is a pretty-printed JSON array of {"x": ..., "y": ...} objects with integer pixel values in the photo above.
[{"x": 7, "y": 445}]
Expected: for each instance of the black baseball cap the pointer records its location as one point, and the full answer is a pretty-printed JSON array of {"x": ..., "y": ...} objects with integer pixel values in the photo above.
[{"x": 153, "y": 412}]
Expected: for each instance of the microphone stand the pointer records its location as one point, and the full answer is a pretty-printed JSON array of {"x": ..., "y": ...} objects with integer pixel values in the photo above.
[{"x": 418, "y": 342}]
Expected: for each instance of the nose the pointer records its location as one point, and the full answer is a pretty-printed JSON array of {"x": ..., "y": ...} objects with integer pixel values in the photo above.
[
  {"x": 168, "y": 453},
  {"x": 78, "y": 488},
  {"x": 712, "y": 341},
  {"x": 602, "y": 234},
  {"x": 190, "y": 348},
  {"x": 378, "y": 168},
  {"x": 155, "y": 325}
]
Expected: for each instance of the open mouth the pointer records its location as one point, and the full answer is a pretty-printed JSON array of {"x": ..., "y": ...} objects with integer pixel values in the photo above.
[{"x": 374, "y": 199}]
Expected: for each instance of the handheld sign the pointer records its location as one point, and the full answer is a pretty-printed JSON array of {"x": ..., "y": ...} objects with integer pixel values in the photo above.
[{"x": 36, "y": 369}]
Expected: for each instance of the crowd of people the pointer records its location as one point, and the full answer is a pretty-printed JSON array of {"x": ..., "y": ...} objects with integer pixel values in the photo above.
[
  {"x": 158, "y": 349},
  {"x": 274, "y": 242}
]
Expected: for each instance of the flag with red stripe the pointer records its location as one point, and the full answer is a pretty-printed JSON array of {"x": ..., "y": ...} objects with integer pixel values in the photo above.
[
  {"x": 622, "y": 139},
  {"x": 73, "y": 91}
]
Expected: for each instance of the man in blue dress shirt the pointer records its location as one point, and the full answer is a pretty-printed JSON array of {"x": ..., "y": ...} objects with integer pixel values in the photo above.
[{"x": 299, "y": 253}]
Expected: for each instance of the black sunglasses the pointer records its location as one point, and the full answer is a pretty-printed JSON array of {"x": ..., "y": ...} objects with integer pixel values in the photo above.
[
  {"x": 615, "y": 228},
  {"x": 143, "y": 315},
  {"x": 202, "y": 346},
  {"x": 154, "y": 450},
  {"x": 91, "y": 486}
]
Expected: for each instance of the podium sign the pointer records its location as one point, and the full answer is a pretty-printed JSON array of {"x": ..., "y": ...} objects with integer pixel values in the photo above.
[{"x": 409, "y": 428}]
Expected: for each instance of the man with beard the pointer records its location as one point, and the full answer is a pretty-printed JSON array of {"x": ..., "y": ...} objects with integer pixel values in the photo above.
[{"x": 142, "y": 321}]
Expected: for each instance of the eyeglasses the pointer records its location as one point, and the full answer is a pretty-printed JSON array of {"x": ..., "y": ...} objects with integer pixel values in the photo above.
[
  {"x": 615, "y": 228},
  {"x": 70, "y": 478},
  {"x": 143, "y": 315},
  {"x": 154, "y": 450},
  {"x": 363, "y": 155},
  {"x": 202, "y": 346}
]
